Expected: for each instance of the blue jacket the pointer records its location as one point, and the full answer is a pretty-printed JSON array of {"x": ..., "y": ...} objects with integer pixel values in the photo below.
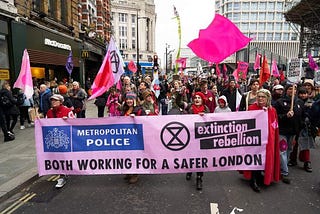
[{"x": 45, "y": 103}]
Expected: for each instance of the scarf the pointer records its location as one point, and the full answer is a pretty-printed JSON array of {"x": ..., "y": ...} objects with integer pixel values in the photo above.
[{"x": 197, "y": 109}]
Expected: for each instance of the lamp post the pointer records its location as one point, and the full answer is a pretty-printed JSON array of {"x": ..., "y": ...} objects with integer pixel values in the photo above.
[
  {"x": 167, "y": 53},
  {"x": 138, "y": 54}
]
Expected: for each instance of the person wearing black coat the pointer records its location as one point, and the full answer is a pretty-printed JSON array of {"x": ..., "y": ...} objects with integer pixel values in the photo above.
[
  {"x": 11, "y": 112},
  {"x": 289, "y": 125}
]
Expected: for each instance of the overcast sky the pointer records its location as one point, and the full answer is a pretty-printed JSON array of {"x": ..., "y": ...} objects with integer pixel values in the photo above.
[{"x": 194, "y": 15}]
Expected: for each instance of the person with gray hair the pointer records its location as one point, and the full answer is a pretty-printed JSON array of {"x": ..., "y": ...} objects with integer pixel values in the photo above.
[
  {"x": 44, "y": 98},
  {"x": 272, "y": 162}
]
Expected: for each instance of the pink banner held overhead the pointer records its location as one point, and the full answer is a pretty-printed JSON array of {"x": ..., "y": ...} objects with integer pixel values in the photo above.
[
  {"x": 24, "y": 80},
  {"x": 219, "y": 40}
]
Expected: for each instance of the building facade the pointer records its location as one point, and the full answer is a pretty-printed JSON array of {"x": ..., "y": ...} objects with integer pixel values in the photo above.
[
  {"x": 49, "y": 30},
  {"x": 133, "y": 28},
  {"x": 263, "y": 21}
]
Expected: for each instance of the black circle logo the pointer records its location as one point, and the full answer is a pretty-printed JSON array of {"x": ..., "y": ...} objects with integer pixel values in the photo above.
[{"x": 175, "y": 136}]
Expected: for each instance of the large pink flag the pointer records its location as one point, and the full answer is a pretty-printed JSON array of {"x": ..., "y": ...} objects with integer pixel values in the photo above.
[
  {"x": 104, "y": 79},
  {"x": 24, "y": 80},
  {"x": 219, "y": 40}
]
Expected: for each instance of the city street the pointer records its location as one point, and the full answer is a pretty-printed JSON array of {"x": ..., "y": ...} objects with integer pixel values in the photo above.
[{"x": 165, "y": 193}]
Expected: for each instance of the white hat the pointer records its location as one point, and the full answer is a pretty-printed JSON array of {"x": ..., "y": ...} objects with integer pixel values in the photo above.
[
  {"x": 277, "y": 87},
  {"x": 57, "y": 97}
]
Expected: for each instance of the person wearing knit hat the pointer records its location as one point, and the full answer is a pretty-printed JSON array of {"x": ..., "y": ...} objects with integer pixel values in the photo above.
[
  {"x": 272, "y": 162},
  {"x": 62, "y": 89},
  {"x": 129, "y": 108},
  {"x": 197, "y": 107},
  {"x": 149, "y": 105},
  {"x": 309, "y": 85}
]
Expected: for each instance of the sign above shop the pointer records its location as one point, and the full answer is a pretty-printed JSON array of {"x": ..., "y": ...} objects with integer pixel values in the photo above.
[{"x": 56, "y": 44}]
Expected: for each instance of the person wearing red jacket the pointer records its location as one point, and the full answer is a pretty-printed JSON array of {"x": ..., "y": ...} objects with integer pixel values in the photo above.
[
  {"x": 58, "y": 110},
  {"x": 272, "y": 163}
]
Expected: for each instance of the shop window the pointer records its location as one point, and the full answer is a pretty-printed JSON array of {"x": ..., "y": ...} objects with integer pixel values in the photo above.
[{"x": 4, "y": 59}]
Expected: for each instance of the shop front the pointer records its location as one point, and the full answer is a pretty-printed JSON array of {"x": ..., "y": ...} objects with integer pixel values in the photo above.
[{"x": 48, "y": 51}]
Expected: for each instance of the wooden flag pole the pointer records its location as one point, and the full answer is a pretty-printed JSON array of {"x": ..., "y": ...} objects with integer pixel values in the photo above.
[{"x": 292, "y": 96}]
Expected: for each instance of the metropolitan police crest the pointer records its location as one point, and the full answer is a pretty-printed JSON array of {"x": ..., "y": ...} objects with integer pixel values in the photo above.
[{"x": 56, "y": 139}]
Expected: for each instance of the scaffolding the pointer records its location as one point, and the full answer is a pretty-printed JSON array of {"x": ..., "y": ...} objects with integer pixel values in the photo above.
[{"x": 306, "y": 14}]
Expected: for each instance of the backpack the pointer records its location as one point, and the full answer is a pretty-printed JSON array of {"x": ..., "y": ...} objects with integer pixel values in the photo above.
[{"x": 5, "y": 101}]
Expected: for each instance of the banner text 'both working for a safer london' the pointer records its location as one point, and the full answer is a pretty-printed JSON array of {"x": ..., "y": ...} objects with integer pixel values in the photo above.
[{"x": 152, "y": 144}]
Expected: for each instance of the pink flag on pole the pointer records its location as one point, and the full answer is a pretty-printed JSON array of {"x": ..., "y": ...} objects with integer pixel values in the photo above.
[
  {"x": 224, "y": 72},
  {"x": 219, "y": 40},
  {"x": 242, "y": 70},
  {"x": 24, "y": 80},
  {"x": 182, "y": 61},
  {"x": 132, "y": 66},
  {"x": 274, "y": 68},
  {"x": 218, "y": 72},
  {"x": 312, "y": 64},
  {"x": 104, "y": 79},
  {"x": 117, "y": 63},
  {"x": 235, "y": 74},
  {"x": 256, "y": 65}
]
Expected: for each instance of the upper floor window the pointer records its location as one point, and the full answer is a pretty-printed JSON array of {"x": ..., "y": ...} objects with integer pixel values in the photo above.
[
  {"x": 52, "y": 5},
  {"x": 122, "y": 31},
  {"x": 64, "y": 11},
  {"x": 133, "y": 19},
  {"x": 271, "y": 6},
  {"x": 123, "y": 18},
  {"x": 37, "y": 5},
  {"x": 236, "y": 6},
  {"x": 245, "y": 6}
]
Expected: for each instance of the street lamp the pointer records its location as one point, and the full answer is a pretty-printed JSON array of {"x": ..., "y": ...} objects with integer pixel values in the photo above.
[
  {"x": 167, "y": 53},
  {"x": 138, "y": 65}
]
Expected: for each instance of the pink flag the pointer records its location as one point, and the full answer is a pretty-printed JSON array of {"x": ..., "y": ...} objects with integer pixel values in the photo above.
[
  {"x": 224, "y": 72},
  {"x": 132, "y": 66},
  {"x": 218, "y": 72},
  {"x": 236, "y": 74},
  {"x": 104, "y": 79},
  {"x": 219, "y": 40},
  {"x": 312, "y": 64},
  {"x": 256, "y": 65},
  {"x": 119, "y": 85},
  {"x": 274, "y": 68},
  {"x": 117, "y": 63},
  {"x": 242, "y": 70},
  {"x": 24, "y": 80},
  {"x": 182, "y": 61}
]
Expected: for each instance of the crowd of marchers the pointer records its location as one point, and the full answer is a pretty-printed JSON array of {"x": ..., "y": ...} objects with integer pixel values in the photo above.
[{"x": 293, "y": 111}]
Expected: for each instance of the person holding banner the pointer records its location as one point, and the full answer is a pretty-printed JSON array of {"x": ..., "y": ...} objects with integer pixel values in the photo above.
[
  {"x": 58, "y": 110},
  {"x": 289, "y": 109},
  {"x": 130, "y": 108},
  {"x": 197, "y": 107},
  {"x": 272, "y": 163}
]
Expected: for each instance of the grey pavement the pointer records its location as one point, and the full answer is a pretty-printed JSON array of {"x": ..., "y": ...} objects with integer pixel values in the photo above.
[{"x": 18, "y": 164}]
